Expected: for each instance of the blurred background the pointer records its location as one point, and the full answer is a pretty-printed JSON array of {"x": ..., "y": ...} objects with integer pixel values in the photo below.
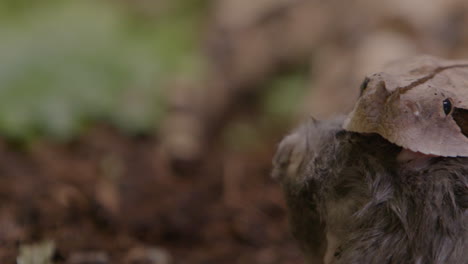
[{"x": 142, "y": 131}]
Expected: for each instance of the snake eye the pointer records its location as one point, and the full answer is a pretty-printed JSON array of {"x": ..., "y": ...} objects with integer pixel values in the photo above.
[
  {"x": 447, "y": 106},
  {"x": 364, "y": 84}
]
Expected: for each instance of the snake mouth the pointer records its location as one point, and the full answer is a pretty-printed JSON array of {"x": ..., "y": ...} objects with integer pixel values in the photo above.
[{"x": 460, "y": 116}]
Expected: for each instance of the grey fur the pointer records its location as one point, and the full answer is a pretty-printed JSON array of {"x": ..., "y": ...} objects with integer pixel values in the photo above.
[{"x": 380, "y": 211}]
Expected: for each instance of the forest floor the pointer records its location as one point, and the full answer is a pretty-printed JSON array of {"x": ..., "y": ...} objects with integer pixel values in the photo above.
[{"x": 109, "y": 198}]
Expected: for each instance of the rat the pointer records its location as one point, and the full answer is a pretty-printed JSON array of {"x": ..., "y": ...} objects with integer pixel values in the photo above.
[{"x": 389, "y": 182}]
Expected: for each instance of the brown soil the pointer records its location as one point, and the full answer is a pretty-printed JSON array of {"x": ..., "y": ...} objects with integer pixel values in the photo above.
[{"x": 109, "y": 194}]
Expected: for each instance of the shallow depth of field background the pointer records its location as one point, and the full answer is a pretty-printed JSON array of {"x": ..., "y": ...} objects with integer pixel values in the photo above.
[{"x": 142, "y": 131}]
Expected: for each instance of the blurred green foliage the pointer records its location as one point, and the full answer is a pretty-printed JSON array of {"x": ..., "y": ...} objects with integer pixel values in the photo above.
[
  {"x": 64, "y": 63},
  {"x": 286, "y": 92},
  {"x": 278, "y": 107}
]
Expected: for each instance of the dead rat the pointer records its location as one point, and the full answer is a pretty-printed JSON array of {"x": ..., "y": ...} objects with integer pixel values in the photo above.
[{"x": 389, "y": 182}]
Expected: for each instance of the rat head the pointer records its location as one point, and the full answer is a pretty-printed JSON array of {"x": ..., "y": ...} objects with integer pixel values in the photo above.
[{"x": 420, "y": 104}]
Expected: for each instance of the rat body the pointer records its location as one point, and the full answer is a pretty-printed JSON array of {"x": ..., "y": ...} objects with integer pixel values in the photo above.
[{"x": 352, "y": 199}]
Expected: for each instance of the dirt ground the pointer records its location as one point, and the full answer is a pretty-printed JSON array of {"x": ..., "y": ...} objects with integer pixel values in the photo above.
[{"x": 108, "y": 198}]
